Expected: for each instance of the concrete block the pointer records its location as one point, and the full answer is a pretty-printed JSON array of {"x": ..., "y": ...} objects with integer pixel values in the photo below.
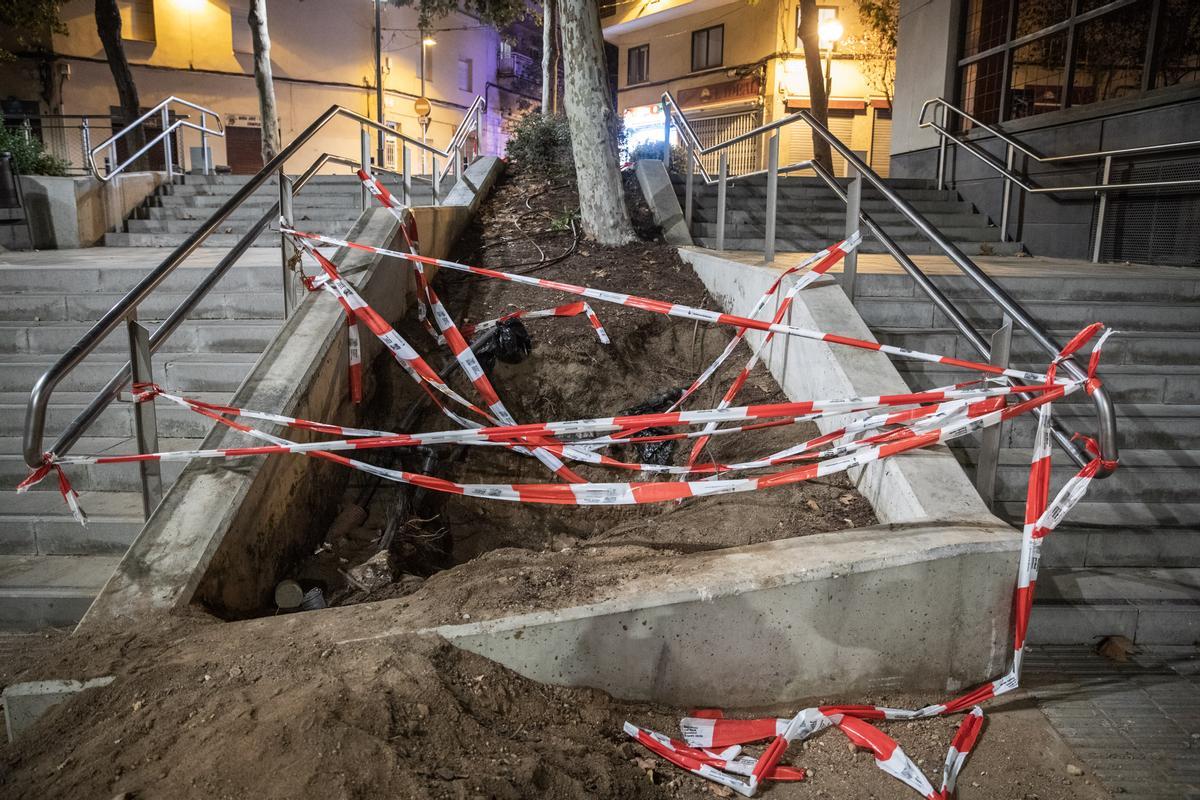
[
  {"x": 24, "y": 703},
  {"x": 660, "y": 195},
  {"x": 920, "y": 486},
  {"x": 922, "y": 607}
]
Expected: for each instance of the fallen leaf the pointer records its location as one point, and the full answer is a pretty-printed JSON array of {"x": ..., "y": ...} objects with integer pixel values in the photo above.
[{"x": 1116, "y": 648}]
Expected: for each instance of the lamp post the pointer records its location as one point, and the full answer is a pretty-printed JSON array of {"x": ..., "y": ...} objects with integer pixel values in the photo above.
[
  {"x": 427, "y": 41},
  {"x": 830, "y": 32},
  {"x": 379, "y": 79}
]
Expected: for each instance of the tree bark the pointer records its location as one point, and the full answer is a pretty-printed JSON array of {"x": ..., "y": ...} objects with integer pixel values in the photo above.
[
  {"x": 108, "y": 26},
  {"x": 810, "y": 37},
  {"x": 549, "y": 71},
  {"x": 592, "y": 119},
  {"x": 261, "y": 39}
]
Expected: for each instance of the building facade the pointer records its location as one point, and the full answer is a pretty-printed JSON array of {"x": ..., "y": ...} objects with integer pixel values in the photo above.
[
  {"x": 1062, "y": 77},
  {"x": 323, "y": 53},
  {"x": 733, "y": 65}
]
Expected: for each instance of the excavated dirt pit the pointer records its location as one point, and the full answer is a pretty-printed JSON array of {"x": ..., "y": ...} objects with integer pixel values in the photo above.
[{"x": 541, "y": 556}]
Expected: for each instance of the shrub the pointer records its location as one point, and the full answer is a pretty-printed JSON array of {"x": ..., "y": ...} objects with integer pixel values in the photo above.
[
  {"x": 541, "y": 144},
  {"x": 29, "y": 157},
  {"x": 653, "y": 150}
]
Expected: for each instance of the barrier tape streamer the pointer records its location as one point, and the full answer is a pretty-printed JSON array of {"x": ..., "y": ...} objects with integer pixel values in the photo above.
[{"x": 881, "y": 427}]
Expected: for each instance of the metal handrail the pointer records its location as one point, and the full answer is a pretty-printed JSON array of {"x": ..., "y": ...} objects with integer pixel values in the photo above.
[
  {"x": 1091, "y": 156},
  {"x": 1012, "y": 178},
  {"x": 168, "y": 127},
  {"x": 125, "y": 310},
  {"x": 1105, "y": 412}
]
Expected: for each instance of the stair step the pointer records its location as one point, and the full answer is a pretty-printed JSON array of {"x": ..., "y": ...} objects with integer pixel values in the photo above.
[
  {"x": 121, "y": 477},
  {"x": 203, "y": 336},
  {"x": 1127, "y": 383},
  {"x": 247, "y": 304},
  {"x": 869, "y": 245},
  {"x": 1128, "y": 316},
  {"x": 222, "y": 240},
  {"x": 261, "y": 274},
  {"x": 39, "y": 523},
  {"x": 116, "y": 420},
  {"x": 1150, "y": 606},
  {"x": 834, "y": 230},
  {"x": 188, "y": 372},
  {"x": 1072, "y": 546},
  {"x": 1147, "y": 476},
  {"x": 49, "y": 591},
  {"x": 1144, "y": 348}
]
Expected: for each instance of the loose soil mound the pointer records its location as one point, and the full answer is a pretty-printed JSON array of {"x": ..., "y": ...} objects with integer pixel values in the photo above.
[{"x": 272, "y": 708}]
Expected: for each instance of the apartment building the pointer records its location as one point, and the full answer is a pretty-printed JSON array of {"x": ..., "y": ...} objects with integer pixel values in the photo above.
[
  {"x": 323, "y": 53},
  {"x": 732, "y": 65}
]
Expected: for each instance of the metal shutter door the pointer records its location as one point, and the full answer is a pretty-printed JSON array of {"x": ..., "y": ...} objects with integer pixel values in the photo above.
[
  {"x": 881, "y": 143},
  {"x": 799, "y": 145}
]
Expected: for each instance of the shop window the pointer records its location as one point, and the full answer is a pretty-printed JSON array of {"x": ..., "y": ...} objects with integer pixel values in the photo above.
[
  {"x": 1037, "y": 76},
  {"x": 708, "y": 48},
  {"x": 1178, "y": 44},
  {"x": 1109, "y": 56}
]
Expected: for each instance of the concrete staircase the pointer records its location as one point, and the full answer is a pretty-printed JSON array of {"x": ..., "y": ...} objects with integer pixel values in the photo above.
[
  {"x": 327, "y": 204},
  {"x": 810, "y": 216},
  {"x": 1127, "y": 561},
  {"x": 50, "y": 567}
]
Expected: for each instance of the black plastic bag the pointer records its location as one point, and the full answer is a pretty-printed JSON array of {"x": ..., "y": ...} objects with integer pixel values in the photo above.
[
  {"x": 509, "y": 342},
  {"x": 661, "y": 453}
]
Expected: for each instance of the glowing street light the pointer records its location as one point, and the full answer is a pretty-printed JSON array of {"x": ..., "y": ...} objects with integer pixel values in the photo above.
[{"x": 830, "y": 31}]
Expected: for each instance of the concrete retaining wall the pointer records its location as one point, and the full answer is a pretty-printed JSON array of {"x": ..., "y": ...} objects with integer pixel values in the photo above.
[
  {"x": 870, "y": 610},
  {"x": 77, "y": 212},
  {"x": 225, "y": 530}
]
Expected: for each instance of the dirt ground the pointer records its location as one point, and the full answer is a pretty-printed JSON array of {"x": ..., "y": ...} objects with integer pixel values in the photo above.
[
  {"x": 570, "y": 374},
  {"x": 274, "y": 708}
]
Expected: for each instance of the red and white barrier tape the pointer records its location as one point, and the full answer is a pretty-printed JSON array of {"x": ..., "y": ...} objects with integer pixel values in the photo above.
[
  {"x": 935, "y": 416},
  {"x": 567, "y": 310}
]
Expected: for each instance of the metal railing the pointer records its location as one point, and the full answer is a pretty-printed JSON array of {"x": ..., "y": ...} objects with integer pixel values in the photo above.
[
  {"x": 67, "y": 137},
  {"x": 994, "y": 348},
  {"x": 939, "y": 122},
  {"x": 168, "y": 124},
  {"x": 143, "y": 344}
]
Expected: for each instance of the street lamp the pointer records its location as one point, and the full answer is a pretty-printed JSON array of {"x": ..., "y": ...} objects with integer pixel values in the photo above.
[
  {"x": 379, "y": 80},
  {"x": 427, "y": 41},
  {"x": 830, "y": 31}
]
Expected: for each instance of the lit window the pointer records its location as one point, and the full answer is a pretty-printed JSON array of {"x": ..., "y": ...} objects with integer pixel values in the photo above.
[
  {"x": 137, "y": 20},
  {"x": 639, "y": 64},
  {"x": 708, "y": 48}
]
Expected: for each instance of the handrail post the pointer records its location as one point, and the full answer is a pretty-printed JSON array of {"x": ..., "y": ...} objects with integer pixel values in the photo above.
[
  {"x": 666, "y": 139},
  {"x": 1007, "y": 195},
  {"x": 205, "y": 166},
  {"x": 112, "y": 158},
  {"x": 992, "y": 437},
  {"x": 85, "y": 135},
  {"x": 941, "y": 161},
  {"x": 406, "y": 171},
  {"x": 364, "y": 161},
  {"x": 435, "y": 179},
  {"x": 287, "y": 251},
  {"x": 853, "y": 223},
  {"x": 772, "y": 197},
  {"x": 1101, "y": 210},
  {"x": 688, "y": 191},
  {"x": 722, "y": 181},
  {"x": 145, "y": 422},
  {"x": 166, "y": 124}
]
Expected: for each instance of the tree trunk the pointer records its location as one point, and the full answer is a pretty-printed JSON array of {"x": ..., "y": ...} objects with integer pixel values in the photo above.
[
  {"x": 549, "y": 64},
  {"x": 811, "y": 39},
  {"x": 592, "y": 119},
  {"x": 262, "y": 79},
  {"x": 108, "y": 26}
]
